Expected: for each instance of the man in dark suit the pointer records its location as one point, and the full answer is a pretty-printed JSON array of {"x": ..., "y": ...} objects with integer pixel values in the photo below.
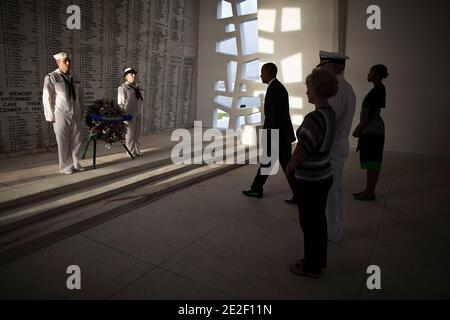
[{"x": 276, "y": 112}]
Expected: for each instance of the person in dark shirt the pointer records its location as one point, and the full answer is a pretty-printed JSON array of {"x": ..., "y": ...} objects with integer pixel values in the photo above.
[
  {"x": 370, "y": 131},
  {"x": 277, "y": 117}
]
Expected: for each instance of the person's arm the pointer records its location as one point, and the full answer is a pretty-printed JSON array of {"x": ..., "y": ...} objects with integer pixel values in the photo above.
[
  {"x": 122, "y": 98},
  {"x": 283, "y": 114},
  {"x": 299, "y": 155},
  {"x": 375, "y": 101},
  {"x": 48, "y": 99},
  {"x": 268, "y": 116},
  {"x": 305, "y": 136},
  {"x": 360, "y": 127},
  {"x": 80, "y": 96},
  {"x": 336, "y": 102},
  {"x": 369, "y": 117}
]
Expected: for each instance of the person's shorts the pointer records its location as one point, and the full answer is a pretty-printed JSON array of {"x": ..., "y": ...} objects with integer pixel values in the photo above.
[{"x": 370, "y": 147}]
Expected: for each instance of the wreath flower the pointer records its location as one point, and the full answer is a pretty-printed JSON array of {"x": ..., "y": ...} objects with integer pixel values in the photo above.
[{"x": 105, "y": 119}]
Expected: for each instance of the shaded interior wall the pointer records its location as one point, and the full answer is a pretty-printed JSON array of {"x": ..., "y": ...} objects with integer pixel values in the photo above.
[{"x": 413, "y": 44}]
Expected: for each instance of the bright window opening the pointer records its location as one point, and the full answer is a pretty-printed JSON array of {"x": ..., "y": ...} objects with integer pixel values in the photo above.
[
  {"x": 223, "y": 119},
  {"x": 231, "y": 75},
  {"x": 254, "y": 118},
  {"x": 249, "y": 102},
  {"x": 224, "y": 101},
  {"x": 247, "y": 7},
  {"x": 227, "y": 46},
  {"x": 230, "y": 27},
  {"x": 224, "y": 9},
  {"x": 250, "y": 70},
  {"x": 219, "y": 86},
  {"x": 241, "y": 121},
  {"x": 249, "y": 37}
]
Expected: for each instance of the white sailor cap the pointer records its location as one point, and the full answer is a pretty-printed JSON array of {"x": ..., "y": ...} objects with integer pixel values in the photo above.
[
  {"x": 129, "y": 70},
  {"x": 331, "y": 57},
  {"x": 61, "y": 55}
]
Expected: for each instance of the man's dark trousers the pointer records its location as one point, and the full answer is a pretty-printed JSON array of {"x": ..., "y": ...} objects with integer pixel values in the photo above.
[{"x": 285, "y": 153}]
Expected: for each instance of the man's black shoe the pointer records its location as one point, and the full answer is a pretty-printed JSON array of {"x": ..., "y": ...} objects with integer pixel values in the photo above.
[
  {"x": 252, "y": 193},
  {"x": 291, "y": 200}
]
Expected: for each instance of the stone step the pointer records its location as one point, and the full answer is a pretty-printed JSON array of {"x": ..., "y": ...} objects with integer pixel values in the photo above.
[
  {"x": 38, "y": 209},
  {"x": 29, "y": 192},
  {"x": 87, "y": 189},
  {"x": 110, "y": 167},
  {"x": 119, "y": 198}
]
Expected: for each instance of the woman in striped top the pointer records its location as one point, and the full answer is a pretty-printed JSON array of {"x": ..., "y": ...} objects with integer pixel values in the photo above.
[{"x": 310, "y": 171}]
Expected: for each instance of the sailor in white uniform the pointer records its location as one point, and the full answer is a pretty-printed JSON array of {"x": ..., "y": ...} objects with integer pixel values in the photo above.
[
  {"x": 63, "y": 102},
  {"x": 129, "y": 98},
  {"x": 344, "y": 104}
]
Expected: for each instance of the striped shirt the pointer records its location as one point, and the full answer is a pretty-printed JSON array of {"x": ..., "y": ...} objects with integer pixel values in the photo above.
[{"x": 316, "y": 134}]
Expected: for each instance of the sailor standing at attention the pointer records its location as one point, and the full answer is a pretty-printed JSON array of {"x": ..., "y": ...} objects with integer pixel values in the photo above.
[
  {"x": 343, "y": 104},
  {"x": 129, "y": 98},
  {"x": 63, "y": 102}
]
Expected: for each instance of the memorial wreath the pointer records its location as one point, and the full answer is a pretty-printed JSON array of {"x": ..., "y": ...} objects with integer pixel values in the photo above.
[{"x": 105, "y": 119}]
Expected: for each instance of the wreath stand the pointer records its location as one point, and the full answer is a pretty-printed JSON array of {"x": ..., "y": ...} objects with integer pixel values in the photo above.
[
  {"x": 93, "y": 138},
  {"x": 93, "y": 135}
]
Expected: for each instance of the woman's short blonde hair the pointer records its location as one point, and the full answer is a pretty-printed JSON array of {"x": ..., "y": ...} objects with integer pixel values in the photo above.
[{"x": 323, "y": 82}]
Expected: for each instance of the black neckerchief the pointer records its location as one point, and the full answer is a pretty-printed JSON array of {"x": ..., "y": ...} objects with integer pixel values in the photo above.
[
  {"x": 137, "y": 91},
  {"x": 71, "y": 87}
]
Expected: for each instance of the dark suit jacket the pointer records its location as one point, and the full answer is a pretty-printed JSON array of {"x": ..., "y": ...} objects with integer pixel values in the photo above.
[{"x": 276, "y": 112}]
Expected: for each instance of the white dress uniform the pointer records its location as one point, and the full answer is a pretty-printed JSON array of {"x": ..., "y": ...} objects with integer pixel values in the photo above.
[
  {"x": 344, "y": 104},
  {"x": 127, "y": 98},
  {"x": 65, "y": 111}
]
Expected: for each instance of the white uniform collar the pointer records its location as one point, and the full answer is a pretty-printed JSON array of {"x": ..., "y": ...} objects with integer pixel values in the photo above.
[
  {"x": 68, "y": 76},
  {"x": 131, "y": 85}
]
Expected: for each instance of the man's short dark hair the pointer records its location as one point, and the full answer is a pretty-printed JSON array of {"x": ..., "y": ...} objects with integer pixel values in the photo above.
[{"x": 272, "y": 68}]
